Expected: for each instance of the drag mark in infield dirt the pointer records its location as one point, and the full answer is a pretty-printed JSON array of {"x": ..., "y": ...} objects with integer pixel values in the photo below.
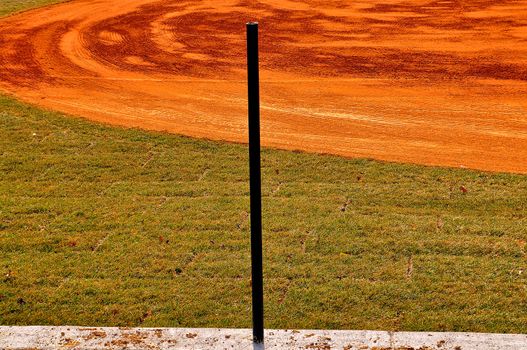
[{"x": 436, "y": 82}]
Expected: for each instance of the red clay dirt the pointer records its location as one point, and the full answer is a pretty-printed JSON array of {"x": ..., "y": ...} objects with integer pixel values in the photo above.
[{"x": 437, "y": 82}]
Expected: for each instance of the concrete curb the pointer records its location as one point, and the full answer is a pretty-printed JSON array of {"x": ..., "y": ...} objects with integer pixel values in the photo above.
[{"x": 91, "y": 338}]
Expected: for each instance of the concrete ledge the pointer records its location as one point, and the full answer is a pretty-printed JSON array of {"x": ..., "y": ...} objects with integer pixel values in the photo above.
[{"x": 92, "y": 338}]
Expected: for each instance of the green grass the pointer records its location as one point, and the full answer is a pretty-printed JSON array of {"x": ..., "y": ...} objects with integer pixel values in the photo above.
[
  {"x": 8, "y": 7},
  {"x": 116, "y": 227}
]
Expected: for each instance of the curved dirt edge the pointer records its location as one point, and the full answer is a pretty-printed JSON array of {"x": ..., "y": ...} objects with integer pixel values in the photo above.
[{"x": 61, "y": 57}]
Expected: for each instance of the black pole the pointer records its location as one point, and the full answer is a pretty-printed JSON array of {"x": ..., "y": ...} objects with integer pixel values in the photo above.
[{"x": 255, "y": 183}]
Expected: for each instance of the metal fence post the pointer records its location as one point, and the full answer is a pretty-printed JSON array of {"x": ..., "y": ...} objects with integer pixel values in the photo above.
[{"x": 255, "y": 184}]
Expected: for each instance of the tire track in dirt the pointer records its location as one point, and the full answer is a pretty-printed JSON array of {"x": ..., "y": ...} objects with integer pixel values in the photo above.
[{"x": 437, "y": 82}]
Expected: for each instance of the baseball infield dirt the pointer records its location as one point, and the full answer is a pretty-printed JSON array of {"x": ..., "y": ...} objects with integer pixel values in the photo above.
[{"x": 438, "y": 82}]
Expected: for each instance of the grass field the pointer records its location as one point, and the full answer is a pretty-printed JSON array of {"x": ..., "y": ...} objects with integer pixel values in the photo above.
[
  {"x": 115, "y": 227},
  {"x": 106, "y": 226},
  {"x": 10, "y": 6}
]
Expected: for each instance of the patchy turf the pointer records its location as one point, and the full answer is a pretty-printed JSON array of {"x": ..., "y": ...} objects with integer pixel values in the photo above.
[
  {"x": 107, "y": 226},
  {"x": 10, "y": 6}
]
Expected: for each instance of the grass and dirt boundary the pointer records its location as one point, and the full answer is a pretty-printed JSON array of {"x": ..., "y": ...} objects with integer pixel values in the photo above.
[{"x": 108, "y": 226}]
